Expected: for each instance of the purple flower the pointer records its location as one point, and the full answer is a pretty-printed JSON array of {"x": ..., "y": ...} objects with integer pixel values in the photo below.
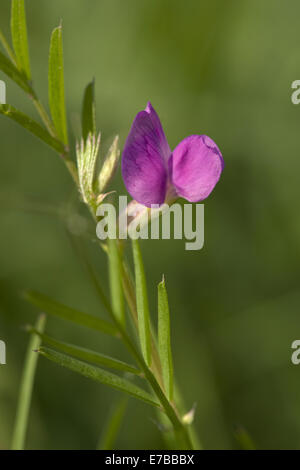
[{"x": 153, "y": 174}]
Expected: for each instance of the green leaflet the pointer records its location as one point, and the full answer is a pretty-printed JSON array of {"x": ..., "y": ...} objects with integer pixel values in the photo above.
[
  {"x": 56, "y": 85},
  {"x": 32, "y": 126},
  {"x": 59, "y": 310},
  {"x": 86, "y": 354},
  {"x": 88, "y": 115},
  {"x": 164, "y": 339},
  {"x": 99, "y": 375},
  {"x": 20, "y": 427},
  {"x": 142, "y": 303},
  {"x": 19, "y": 37}
]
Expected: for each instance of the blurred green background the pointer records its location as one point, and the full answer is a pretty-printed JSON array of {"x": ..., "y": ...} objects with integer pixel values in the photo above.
[{"x": 208, "y": 66}]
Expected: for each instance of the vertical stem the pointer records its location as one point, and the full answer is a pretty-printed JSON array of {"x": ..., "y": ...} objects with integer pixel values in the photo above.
[{"x": 21, "y": 422}]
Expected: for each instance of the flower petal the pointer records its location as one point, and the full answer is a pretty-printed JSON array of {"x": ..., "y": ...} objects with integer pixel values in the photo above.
[
  {"x": 144, "y": 160},
  {"x": 195, "y": 167}
]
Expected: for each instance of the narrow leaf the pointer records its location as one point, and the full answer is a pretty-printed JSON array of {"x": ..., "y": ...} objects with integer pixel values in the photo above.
[
  {"x": 86, "y": 354},
  {"x": 7, "y": 67},
  {"x": 88, "y": 117},
  {"x": 56, "y": 85},
  {"x": 142, "y": 303},
  {"x": 164, "y": 339},
  {"x": 111, "y": 430},
  {"x": 98, "y": 375},
  {"x": 32, "y": 126},
  {"x": 19, "y": 36},
  {"x": 59, "y": 310},
  {"x": 115, "y": 281},
  {"x": 20, "y": 427}
]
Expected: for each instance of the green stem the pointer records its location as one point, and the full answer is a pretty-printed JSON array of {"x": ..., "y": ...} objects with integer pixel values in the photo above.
[
  {"x": 19, "y": 433},
  {"x": 72, "y": 169},
  {"x": 43, "y": 115},
  {"x": 7, "y": 48}
]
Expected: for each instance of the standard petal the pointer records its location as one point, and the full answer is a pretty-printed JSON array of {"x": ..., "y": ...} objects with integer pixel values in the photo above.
[
  {"x": 144, "y": 160},
  {"x": 195, "y": 167}
]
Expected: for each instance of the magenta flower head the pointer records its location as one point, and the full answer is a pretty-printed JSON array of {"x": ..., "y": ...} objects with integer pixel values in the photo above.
[{"x": 154, "y": 175}]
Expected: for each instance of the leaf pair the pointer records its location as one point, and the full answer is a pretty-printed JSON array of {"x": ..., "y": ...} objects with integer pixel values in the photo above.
[
  {"x": 52, "y": 307},
  {"x": 99, "y": 375},
  {"x": 86, "y": 354}
]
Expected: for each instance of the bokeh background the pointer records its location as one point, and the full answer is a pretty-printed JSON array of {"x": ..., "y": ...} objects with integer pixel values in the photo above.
[{"x": 220, "y": 68}]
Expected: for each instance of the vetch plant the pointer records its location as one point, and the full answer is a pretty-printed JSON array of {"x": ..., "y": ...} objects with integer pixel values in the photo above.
[{"x": 152, "y": 174}]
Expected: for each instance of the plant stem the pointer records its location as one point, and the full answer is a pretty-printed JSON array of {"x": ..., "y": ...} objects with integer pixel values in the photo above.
[
  {"x": 21, "y": 422},
  {"x": 7, "y": 48},
  {"x": 43, "y": 115}
]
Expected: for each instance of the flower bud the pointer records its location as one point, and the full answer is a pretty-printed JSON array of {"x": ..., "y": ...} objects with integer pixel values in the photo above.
[
  {"x": 87, "y": 153},
  {"x": 109, "y": 166}
]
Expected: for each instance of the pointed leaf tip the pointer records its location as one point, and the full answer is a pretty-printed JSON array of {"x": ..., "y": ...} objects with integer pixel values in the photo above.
[{"x": 88, "y": 115}]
